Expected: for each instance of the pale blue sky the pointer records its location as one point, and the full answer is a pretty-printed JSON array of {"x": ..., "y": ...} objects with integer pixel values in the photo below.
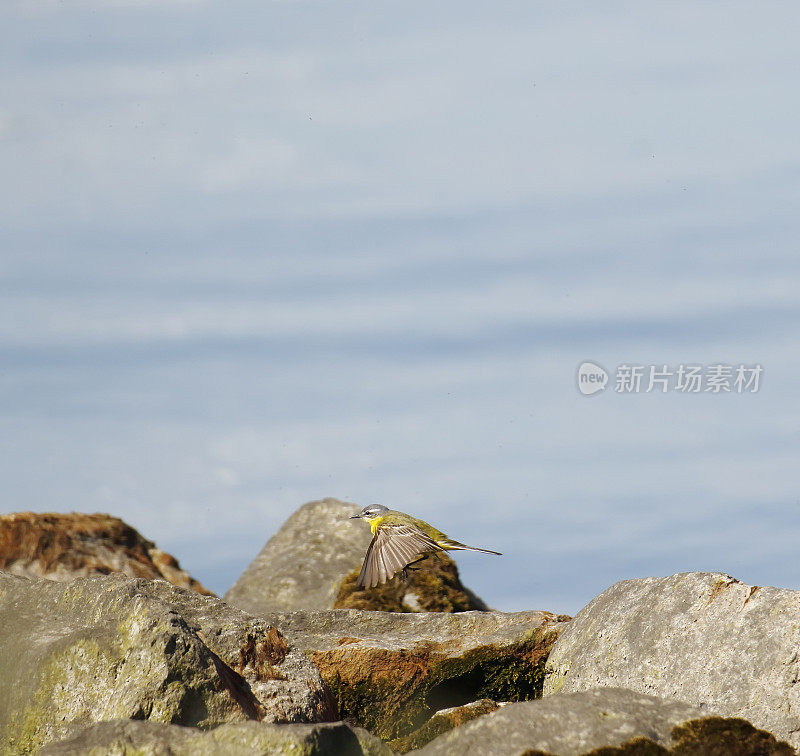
[{"x": 259, "y": 253}]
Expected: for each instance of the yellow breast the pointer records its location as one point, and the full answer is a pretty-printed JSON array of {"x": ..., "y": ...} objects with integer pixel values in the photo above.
[{"x": 375, "y": 523}]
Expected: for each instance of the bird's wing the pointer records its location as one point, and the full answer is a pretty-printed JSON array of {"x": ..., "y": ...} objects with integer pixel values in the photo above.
[{"x": 392, "y": 548}]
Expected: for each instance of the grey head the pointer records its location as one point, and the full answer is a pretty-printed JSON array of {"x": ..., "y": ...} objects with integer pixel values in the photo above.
[{"x": 370, "y": 512}]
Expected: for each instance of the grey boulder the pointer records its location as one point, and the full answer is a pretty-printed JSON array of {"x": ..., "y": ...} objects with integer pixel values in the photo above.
[
  {"x": 704, "y": 638},
  {"x": 102, "y": 648},
  {"x": 304, "y": 563},
  {"x": 604, "y": 721},
  {"x": 239, "y": 739}
]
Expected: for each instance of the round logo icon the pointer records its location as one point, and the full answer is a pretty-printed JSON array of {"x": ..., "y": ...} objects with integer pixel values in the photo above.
[{"x": 591, "y": 378}]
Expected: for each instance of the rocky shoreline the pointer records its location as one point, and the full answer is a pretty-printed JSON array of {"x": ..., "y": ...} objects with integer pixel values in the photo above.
[{"x": 104, "y": 652}]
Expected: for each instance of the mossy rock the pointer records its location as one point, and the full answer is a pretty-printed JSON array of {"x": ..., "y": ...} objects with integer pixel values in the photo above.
[
  {"x": 703, "y": 638},
  {"x": 432, "y": 586},
  {"x": 718, "y": 736},
  {"x": 606, "y": 722},
  {"x": 390, "y": 672},
  {"x": 711, "y": 736},
  {"x": 441, "y": 722},
  {"x": 109, "y": 648},
  {"x": 143, "y": 738},
  {"x": 392, "y": 693}
]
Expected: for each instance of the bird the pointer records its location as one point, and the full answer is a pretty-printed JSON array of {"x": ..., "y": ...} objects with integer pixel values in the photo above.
[{"x": 398, "y": 542}]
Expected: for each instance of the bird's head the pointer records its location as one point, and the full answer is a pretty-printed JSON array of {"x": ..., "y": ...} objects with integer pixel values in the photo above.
[{"x": 371, "y": 512}]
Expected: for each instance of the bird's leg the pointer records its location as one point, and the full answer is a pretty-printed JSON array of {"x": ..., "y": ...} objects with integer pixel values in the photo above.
[{"x": 410, "y": 567}]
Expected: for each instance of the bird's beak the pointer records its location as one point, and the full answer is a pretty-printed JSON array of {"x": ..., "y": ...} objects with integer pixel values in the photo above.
[{"x": 355, "y": 516}]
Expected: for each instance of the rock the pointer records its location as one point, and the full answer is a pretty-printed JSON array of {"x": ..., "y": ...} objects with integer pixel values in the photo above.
[
  {"x": 238, "y": 739},
  {"x": 313, "y": 561},
  {"x": 443, "y": 721},
  {"x": 65, "y": 546},
  {"x": 605, "y": 721},
  {"x": 433, "y": 586},
  {"x": 390, "y": 672},
  {"x": 102, "y": 648},
  {"x": 704, "y": 638},
  {"x": 303, "y": 564}
]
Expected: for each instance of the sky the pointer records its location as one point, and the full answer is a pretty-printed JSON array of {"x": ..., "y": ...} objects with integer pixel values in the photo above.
[{"x": 260, "y": 253}]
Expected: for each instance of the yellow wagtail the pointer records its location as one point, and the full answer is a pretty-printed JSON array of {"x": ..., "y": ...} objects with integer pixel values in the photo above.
[{"x": 399, "y": 541}]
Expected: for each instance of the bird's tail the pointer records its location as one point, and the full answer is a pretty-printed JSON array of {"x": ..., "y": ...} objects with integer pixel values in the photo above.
[{"x": 450, "y": 545}]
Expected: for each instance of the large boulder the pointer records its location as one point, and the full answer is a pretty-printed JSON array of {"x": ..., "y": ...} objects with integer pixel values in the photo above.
[
  {"x": 390, "y": 672},
  {"x": 103, "y": 648},
  {"x": 304, "y": 563},
  {"x": 313, "y": 561},
  {"x": 704, "y": 638},
  {"x": 605, "y": 721},
  {"x": 66, "y": 546},
  {"x": 239, "y": 739}
]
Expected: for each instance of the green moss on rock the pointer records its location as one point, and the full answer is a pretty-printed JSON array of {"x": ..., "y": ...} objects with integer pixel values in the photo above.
[
  {"x": 432, "y": 586},
  {"x": 392, "y": 693},
  {"x": 441, "y": 722},
  {"x": 710, "y": 736},
  {"x": 718, "y": 736},
  {"x": 62, "y": 695},
  {"x": 118, "y": 649}
]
